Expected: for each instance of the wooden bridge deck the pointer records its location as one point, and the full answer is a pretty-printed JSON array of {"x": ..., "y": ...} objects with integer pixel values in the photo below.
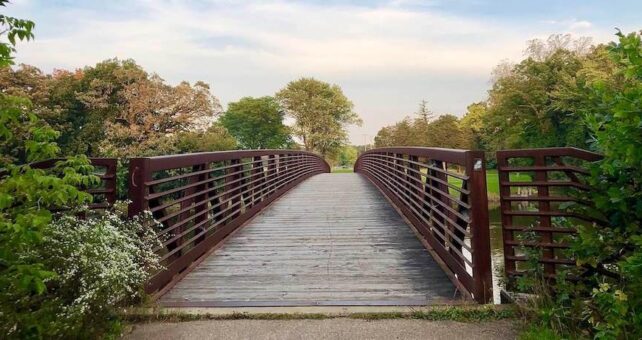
[{"x": 332, "y": 240}]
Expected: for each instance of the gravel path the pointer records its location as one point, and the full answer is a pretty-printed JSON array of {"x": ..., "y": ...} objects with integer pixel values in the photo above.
[{"x": 324, "y": 329}]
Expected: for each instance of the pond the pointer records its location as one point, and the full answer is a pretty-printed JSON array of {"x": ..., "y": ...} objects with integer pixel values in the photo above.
[{"x": 496, "y": 248}]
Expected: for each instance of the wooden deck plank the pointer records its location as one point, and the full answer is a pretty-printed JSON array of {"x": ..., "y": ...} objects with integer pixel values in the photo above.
[{"x": 333, "y": 240}]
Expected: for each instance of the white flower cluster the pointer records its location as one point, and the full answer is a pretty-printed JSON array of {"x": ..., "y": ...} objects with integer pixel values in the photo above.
[{"x": 102, "y": 261}]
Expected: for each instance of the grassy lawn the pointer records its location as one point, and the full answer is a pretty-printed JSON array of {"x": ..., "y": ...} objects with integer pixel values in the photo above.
[
  {"x": 492, "y": 180},
  {"x": 342, "y": 170}
]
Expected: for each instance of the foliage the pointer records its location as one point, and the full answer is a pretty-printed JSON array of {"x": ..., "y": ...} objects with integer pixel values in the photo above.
[
  {"x": 13, "y": 28},
  {"x": 257, "y": 123},
  {"x": 612, "y": 253},
  {"x": 55, "y": 280},
  {"x": 445, "y": 131},
  {"x": 215, "y": 138},
  {"x": 472, "y": 125},
  {"x": 523, "y": 110},
  {"x": 98, "y": 263},
  {"x": 321, "y": 112},
  {"x": 27, "y": 195},
  {"x": 604, "y": 300},
  {"x": 153, "y": 113},
  {"x": 114, "y": 108},
  {"x": 345, "y": 156}
]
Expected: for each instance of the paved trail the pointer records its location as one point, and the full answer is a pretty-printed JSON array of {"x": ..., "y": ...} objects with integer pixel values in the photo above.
[{"x": 323, "y": 329}]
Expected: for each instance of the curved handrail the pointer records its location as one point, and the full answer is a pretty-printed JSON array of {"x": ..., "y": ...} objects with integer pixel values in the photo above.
[
  {"x": 442, "y": 193},
  {"x": 200, "y": 198}
]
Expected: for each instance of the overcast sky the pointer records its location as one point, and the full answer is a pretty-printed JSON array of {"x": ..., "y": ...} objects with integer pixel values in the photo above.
[{"x": 386, "y": 55}]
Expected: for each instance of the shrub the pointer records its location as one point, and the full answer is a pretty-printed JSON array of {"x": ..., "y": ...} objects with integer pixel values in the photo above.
[
  {"x": 101, "y": 262},
  {"x": 604, "y": 300},
  {"x": 60, "y": 276}
]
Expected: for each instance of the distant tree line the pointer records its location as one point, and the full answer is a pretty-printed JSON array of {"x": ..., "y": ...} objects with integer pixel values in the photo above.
[
  {"x": 538, "y": 102},
  {"x": 117, "y": 109}
]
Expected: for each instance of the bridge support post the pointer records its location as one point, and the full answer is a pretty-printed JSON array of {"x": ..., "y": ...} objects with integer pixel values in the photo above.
[
  {"x": 480, "y": 233},
  {"x": 138, "y": 174}
]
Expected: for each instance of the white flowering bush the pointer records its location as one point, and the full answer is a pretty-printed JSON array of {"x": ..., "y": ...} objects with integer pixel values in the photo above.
[{"x": 101, "y": 262}]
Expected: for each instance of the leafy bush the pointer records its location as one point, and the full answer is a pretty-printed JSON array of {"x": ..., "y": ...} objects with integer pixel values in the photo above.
[
  {"x": 100, "y": 262},
  {"x": 604, "y": 301},
  {"x": 60, "y": 276},
  {"x": 612, "y": 253}
]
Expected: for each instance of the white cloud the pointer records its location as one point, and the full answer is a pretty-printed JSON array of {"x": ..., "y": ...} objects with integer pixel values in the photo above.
[
  {"x": 386, "y": 58},
  {"x": 580, "y": 25}
]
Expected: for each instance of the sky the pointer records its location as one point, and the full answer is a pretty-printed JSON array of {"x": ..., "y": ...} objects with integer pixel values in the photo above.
[{"x": 387, "y": 56}]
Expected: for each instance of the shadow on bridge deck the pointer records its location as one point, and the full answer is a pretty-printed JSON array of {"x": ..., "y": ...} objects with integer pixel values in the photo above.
[{"x": 332, "y": 240}]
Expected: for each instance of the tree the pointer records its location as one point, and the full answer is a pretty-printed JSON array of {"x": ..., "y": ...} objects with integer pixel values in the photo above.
[
  {"x": 153, "y": 114},
  {"x": 215, "y": 138},
  {"x": 472, "y": 124},
  {"x": 346, "y": 156},
  {"x": 321, "y": 113},
  {"x": 600, "y": 297},
  {"x": 424, "y": 114},
  {"x": 445, "y": 132},
  {"x": 420, "y": 124},
  {"x": 93, "y": 107},
  {"x": 536, "y": 102},
  {"x": 400, "y": 134},
  {"x": 257, "y": 123}
]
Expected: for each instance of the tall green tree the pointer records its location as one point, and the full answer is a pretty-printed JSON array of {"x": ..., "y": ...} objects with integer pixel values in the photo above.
[
  {"x": 321, "y": 114},
  {"x": 257, "y": 123},
  {"x": 472, "y": 124},
  {"x": 535, "y": 103}
]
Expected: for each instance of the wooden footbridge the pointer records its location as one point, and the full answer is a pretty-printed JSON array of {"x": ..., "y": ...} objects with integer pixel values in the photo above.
[
  {"x": 409, "y": 227},
  {"x": 274, "y": 228}
]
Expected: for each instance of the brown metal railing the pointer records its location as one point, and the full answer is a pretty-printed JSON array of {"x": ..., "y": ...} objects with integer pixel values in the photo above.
[
  {"x": 104, "y": 194},
  {"x": 442, "y": 192},
  {"x": 535, "y": 186},
  {"x": 201, "y": 198}
]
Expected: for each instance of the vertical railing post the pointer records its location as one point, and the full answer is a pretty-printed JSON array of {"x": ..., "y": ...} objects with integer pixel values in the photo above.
[
  {"x": 139, "y": 174},
  {"x": 544, "y": 220},
  {"x": 202, "y": 200},
  {"x": 258, "y": 177},
  {"x": 271, "y": 175},
  {"x": 507, "y": 220},
  {"x": 111, "y": 170},
  {"x": 480, "y": 233}
]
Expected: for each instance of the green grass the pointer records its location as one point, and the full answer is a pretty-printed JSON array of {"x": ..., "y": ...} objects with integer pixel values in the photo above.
[
  {"x": 342, "y": 170},
  {"x": 455, "y": 313},
  {"x": 492, "y": 181},
  {"x": 534, "y": 332}
]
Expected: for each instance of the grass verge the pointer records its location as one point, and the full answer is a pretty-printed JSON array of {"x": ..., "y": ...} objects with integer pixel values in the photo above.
[
  {"x": 342, "y": 170},
  {"x": 461, "y": 314}
]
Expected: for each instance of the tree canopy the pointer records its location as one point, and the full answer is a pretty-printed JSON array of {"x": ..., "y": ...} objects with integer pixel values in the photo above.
[
  {"x": 321, "y": 114},
  {"x": 114, "y": 108},
  {"x": 445, "y": 131},
  {"x": 257, "y": 123}
]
